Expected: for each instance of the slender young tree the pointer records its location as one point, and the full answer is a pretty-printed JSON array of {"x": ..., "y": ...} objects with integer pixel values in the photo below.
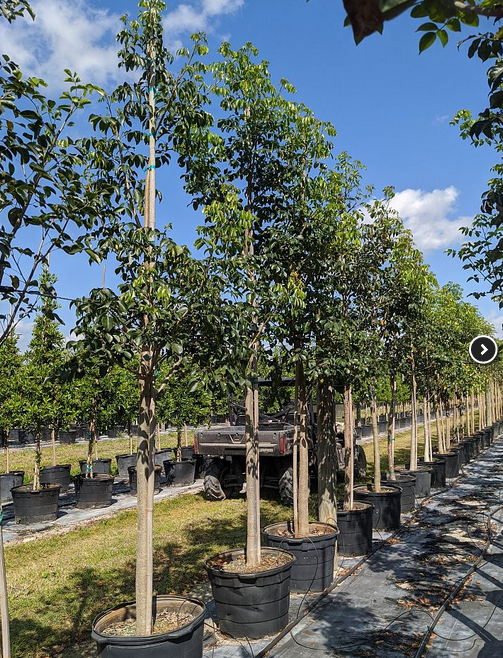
[{"x": 163, "y": 300}]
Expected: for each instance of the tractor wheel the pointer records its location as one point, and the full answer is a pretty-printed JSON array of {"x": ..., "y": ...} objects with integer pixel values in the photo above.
[
  {"x": 213, "y": 482},
  {"x": 360, "y": 463},
  {"x": 286, "y": 486}
]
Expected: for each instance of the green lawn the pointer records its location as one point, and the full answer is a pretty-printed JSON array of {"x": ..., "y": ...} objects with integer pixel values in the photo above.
[
  {"x": 23, "y": 458},
  {"x": 58, "y": 584}
]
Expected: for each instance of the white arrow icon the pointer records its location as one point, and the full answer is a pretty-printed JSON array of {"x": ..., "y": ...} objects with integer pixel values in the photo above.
[{"x": 483, "y": 349}]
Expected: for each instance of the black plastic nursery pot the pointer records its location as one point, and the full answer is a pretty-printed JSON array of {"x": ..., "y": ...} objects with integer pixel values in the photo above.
[
  {"x": 94, "y": 492},
  {"x": 253, "y": 604},
  {"x": 451, "y": 464},
  {"x": 438, "y": 478},
  {"x": 407, "y": 483},
  {"x": 35, "y": 506},
  {"x": 386, "y": 505},
  {"x": 180, "y": 474},
  {"x": 313, "y": 569},
  {"x": 478, "y": 443},
  {"x": 100, "y": 466},
  {"x": 67, "y": 436},
  {"x": 183, "y": 642},
  {"x": 187, "y": 452},
  {"x": 123, "y": 463},
  {"x": 160, "y": 456},
  {"x": 470, "y": 449},
  {"x": 355, "y": 530},
  {"x": 460, "y": 449},
  {"x": 56, "y": 475},
  {"x": 7, "y": 482},
  {"x": 133, "y": 482},
  {"x": 423, "y": 474},
  {"x": 488, "y": 431}
]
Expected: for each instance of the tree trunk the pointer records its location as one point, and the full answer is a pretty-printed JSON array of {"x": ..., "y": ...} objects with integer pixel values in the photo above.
[
  {"x": 186, "y": 434},
  {"x": 303, "y": 454},
  {"x": 130, "y": 435},
  {"x": 447, "y": 431},
  {"x": 145, "y": 515},
  {"x": 375, "y": 437},
  {"x": 158, "y": 436},
  {"x": 53, "y": 442},
  {"x": 4, "y": 601},
  {"x": 295, "y": 458},
  {"x": 91, "y": 444},
  {"x": 327, "y": 454},
  {"x": 38, "y": 460},
  {"x": 7, "y": 452},
  {"x": 348, "y": 451},
  {"x": 413, "y": 435},
  {"x": 391, "y": 431},
  {"x": 252, "y": 485},
  {"x": 427, "y": 431},
  {"x": 440, "y": 441},
  {"x": 178, "y": 443},
  {"x": 489, "y": 410}
]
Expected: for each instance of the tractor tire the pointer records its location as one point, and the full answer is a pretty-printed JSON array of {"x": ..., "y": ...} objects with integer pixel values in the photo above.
[
  {"x": 213, "y": 483},
  {"x": 286, "y": 486},
  {"x": 360, "y": 466}
]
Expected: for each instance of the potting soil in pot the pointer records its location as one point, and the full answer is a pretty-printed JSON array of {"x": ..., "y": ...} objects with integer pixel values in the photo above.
[
  {"x": 313, "y": 569},
  {"x": 165, "y": 622},
  {"x": 238, "y": 563}
]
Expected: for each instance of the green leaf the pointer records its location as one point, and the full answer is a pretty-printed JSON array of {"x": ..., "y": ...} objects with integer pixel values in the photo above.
[
  {"x": 443, "y": 36},
  {"x": 426, "y": 27},
  {"x": 426, "y": 41}
]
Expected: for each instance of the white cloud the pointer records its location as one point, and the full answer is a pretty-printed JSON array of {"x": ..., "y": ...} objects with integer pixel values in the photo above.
[
  {"x": 426, "y": 214},
  {"x": 79, "y": 36},
  {"x": 23, "y": 330},
  {"x": 197, "y": 16},
  {"x": 65, "y": 35},
  {"x": 497, "y": 321}
]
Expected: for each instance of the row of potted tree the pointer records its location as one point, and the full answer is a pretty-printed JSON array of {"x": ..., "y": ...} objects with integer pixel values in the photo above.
[{"x": 295, "y": 254}]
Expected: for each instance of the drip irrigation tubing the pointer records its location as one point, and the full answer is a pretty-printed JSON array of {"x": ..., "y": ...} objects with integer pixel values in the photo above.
[
  {"x": 455, "y": 591},
  {"x": 338, "y": 581}
]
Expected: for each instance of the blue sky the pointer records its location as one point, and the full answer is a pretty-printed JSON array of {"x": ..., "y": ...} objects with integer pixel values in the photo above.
[{"x": 391, "y": 107}]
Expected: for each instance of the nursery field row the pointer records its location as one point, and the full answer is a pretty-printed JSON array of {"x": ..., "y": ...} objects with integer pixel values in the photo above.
[
  {"x": 22, "y": 458},
  {"x": 53, "y": 601}
]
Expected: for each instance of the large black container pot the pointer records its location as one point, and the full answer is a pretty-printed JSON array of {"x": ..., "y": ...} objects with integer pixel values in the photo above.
[
  {"x": 160, "y": 456},
  {"x": 100, "y": 466},
  {"x": 470, "y": 449},
  {"x": 355, "y": 530},
  {"x": 423, "y": 476},
  {"x": 313, "y": 569},
  {"x": 478, "y": 443},
  {"x": 7, "y": 482},
  {"x": 438, "y": 472},
  {"x": 460, "y": 449},
  {"x": 407, "y": 483},
  {"x": 386, "y": 504},
  {"x": 94, "y": 492},
  {"x": 187, "y": 452},
  {"x": 35, "y": 506},
  {"x": 180, "y": 474},
  {"x": 124, "y": 462},
  {"x": 56, "y": 475},
  {"x": 451, "y": 464},
  {"x": 67, "y": 436},
  {"x": 253, "y": 604},
  {"x": 133, "y": 482},
  {"x": 488, "y": 432},
  {"x": 184, "y": 642}
]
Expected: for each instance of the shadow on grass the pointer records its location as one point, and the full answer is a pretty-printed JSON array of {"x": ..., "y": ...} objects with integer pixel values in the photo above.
[{"x": 65, "y": 613}]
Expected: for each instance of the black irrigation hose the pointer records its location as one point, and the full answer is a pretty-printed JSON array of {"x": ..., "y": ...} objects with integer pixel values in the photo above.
[
  {"x": 291, "y": 625},
  {"x": 458, "y": 588}
]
